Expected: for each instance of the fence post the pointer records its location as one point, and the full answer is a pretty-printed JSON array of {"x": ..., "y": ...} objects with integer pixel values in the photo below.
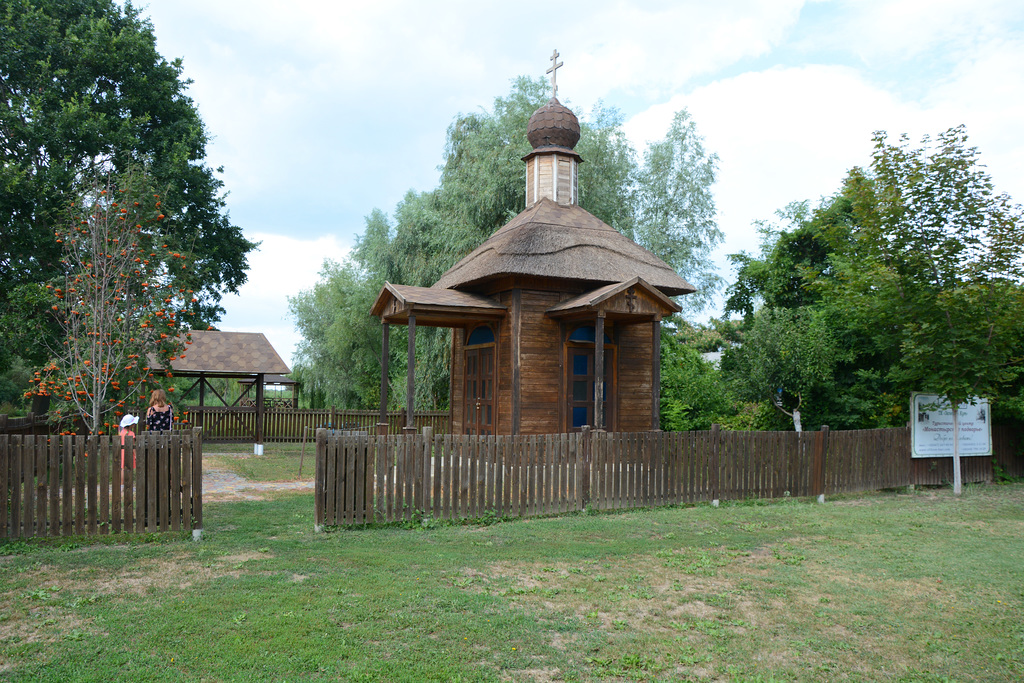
[
  {"x": 587, "y": 458},
  {"x": 715, "y": 464},
  {"x": 3, "y": 424},
  {"x": 197, "y": 483},
  {"x": 427, "y": 481},
  {"x": 818, "y": 464},
  {"x": 318, "y": 484}
]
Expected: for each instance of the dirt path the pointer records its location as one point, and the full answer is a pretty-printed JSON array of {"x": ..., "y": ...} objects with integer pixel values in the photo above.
[{"x": 222, "y": 485}]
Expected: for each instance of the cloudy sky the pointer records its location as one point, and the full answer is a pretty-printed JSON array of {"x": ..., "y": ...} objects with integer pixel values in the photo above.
[{"x": 321, "y": 111}]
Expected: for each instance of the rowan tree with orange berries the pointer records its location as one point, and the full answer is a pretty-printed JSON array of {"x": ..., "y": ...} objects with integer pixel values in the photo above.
[{"x": 123, "y": 301}]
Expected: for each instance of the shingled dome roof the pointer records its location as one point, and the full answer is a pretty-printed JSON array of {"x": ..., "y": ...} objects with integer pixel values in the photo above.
[
  {"x": 565, "y": 242},
  {"x": 553, "y": 125}
]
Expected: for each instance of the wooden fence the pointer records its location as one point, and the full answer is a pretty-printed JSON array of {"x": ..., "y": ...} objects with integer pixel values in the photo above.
[
  {"x": 30, "y": 424},
  {"x": 76, "y": 485},
  {"x": 237, "y": 424},
  {"x": 362, "y": 479}
]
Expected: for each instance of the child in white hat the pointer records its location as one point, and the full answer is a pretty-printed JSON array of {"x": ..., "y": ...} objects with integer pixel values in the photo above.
[{"x": 127, "y": 421}]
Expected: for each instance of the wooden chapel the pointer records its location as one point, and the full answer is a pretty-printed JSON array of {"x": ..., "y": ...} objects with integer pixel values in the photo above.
[{"x": 556, "y": 318}]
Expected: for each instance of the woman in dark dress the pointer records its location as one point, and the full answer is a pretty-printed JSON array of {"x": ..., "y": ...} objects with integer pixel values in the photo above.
[{"x": 160, "y": 415}]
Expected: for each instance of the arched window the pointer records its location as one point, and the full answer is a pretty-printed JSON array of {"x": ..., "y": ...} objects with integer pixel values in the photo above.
[{"x": 480, "y": 335}]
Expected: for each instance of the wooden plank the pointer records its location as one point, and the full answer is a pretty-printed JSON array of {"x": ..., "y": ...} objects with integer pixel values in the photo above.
[
  {"x": 530, "y": 472},
  {"x": 17, "y": 465},
  {"x": 192, "y": 486},
  {"x": 128, "y": 488},
  {"x": 41, "y": 481},
  {"x": 53, "y": 485},
  {"x": 353, "y": 480},
  {"x": 5, "y": 484},
  {"x": 515, "y": 476},
  {"x": 150, "y": 485},
  {"x": 500, "y": 479},
  {"x": 455, "y": 489},
  {"x": 359, "y": 498},
  {"x": 409, "y": 479},
  {"x": 447, "y": 467},
  {"x": 473, "y": 452},
  {"x": 80, "y": 466},
  {"x": 176, "y": 507},
  {"x": 331, "y": 478},
  {"x": 28, "y": 461},
  {"x": 163, "y": 480},
  {"x": 437, "y": 460},
  {"x": 103, "y": 465},
  {"x": 543, "y": 496}
]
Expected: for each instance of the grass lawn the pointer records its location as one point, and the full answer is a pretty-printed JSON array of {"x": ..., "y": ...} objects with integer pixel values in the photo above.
[{"x": 908, "y": 586}]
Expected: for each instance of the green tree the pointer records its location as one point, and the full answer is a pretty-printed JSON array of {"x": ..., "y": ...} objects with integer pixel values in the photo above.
[
  {"x": 124, "y": 303},
  {"x": 786, "y": 356},
  {"x": 936, "y": 271},
  {"x": 677, "y": 209},
  {"x": 693, "y": 395},
  {"x": 85, "y": 93}
]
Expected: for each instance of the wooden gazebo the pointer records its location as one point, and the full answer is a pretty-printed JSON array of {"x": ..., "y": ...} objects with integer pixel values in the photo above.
[
  {"x": 555, "y": 318},
  {"x": 235, "y": 355}
]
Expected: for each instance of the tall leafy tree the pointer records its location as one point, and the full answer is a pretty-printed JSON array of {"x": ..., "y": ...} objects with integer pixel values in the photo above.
[
  {"x": 938, "y": 268},
  {"x": 677, "y": 219},
  {"x": 84, "y": 93}
]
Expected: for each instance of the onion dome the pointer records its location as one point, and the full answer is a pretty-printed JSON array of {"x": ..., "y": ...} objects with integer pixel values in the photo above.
[{"x": 553, "y": 125}]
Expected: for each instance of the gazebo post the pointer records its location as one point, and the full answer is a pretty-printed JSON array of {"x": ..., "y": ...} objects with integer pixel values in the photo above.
[
  {"x": 599, "y": 372},
  {"x": 410, "y": 379},
  {"x": 382, "y": 421},
  {"x": 260, "y": 410},
  {"x": 656, "y": 374},
  {"x": 202, "y": 398}
]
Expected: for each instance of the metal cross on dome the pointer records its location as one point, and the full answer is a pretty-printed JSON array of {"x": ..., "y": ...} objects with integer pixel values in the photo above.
[{"x": 554, "y": 73}]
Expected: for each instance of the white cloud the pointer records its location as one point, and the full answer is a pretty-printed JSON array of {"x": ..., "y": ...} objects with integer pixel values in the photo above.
[{"x": 280, "y": 268}]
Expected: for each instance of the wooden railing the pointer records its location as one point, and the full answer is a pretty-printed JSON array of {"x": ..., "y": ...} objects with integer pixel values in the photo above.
[
  {"x": 364, "y": 478},
  {"x": 238, "y": 424},
  {"x": 30, "y": 424},
  {"x": 78, "y": 485}
]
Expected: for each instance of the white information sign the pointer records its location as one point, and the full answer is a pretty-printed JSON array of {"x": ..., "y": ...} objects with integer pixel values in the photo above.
[{"x": 932, "y": 427}]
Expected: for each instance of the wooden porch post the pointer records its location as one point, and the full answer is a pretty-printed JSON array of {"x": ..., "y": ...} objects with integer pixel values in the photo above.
[
  {"x": 656, "y": 374},
  {"x": 410, "y": 378},
  {"x": 599, "y": 372},
  {"x": 382, "y": 421}
]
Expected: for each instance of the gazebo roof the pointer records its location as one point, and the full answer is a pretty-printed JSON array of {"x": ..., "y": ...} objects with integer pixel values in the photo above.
[
  {"x": 229, "y": 354},
  {"x": 556, "y": 241}
]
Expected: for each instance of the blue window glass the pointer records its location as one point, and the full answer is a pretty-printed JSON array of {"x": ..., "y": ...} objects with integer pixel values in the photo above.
[
  {"x": 583, "y": 334},
  {"x": 587, "y": 334},
  {"x": 481, "y": 335},
  {"x": 579, "y": 416},
  {"x": 579, "y": 364}
]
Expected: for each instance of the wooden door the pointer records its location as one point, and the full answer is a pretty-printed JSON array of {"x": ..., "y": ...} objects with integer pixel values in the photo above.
[
  {"x": 580, "y": 387},
  {"x": 480, "y": 391}
]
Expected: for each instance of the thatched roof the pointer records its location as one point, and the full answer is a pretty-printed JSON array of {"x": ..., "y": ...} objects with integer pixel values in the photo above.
[
  {"x": 562, "y": 242},
  {"x": 229, "y": 353}
]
